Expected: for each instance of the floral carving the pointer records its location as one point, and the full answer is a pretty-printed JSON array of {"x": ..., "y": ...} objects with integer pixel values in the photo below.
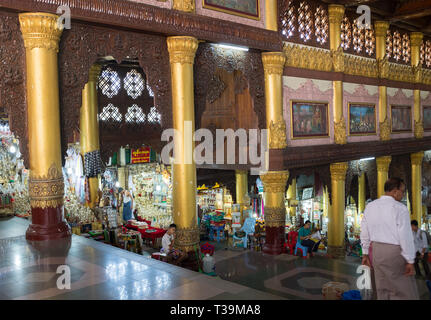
[{"x": 216, "y": 88}]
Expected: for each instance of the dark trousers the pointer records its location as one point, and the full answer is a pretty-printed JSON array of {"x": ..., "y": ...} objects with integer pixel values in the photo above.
[
  {"x": 311, "y": 245},
  {"x": 424, "y": 264}
]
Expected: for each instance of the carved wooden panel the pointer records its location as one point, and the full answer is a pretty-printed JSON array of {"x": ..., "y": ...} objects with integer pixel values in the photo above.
[
  {"x": 83, "y": 45},
  {"x": 12, "y": 75},
  {"x": 209, "y": 58}
]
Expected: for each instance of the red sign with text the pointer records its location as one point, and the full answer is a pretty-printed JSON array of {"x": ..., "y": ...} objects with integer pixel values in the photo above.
[{"x": 141, "y": 155}]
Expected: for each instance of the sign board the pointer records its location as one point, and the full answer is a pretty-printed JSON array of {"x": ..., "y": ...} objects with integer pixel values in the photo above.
[
  {"x": 307, "y": 193},
  {"x": 141, "y": 155}
]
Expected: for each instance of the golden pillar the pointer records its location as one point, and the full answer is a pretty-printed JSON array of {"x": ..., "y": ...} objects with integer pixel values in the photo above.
[
  {"x": 241, "y": 186},
  {"x": 273, "y": 64},
  {"x": 182, "y": 52},
  {"x": 41, "y": 34},
  {"x": 416, "y": 42},
  {"x": 381, "y": 28},
  {"x": 291, "y": 196},
  {"x": 325, "y": 202},
  {"x": 416, "y": 159},
  {"x": 336, "y": 14},
  {"x": 382, "y": 173},
  {"x": 184, "y": 5},
  {"x": 89, "y": 129},
  {"x": 274, "y": 185},
  {"x": 336, "y": 214},
  {"x": 361, "y": 197},
  {"x": 271, "y": 17}
]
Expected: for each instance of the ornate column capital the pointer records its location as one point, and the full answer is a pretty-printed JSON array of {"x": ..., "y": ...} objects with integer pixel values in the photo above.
[
  {"x": 47, "y": 191},
  {"x": 40, "y": 30},
  {"x": 336, "y": 13},
  {"x": 241, "y": 171},
  {"x": 416, "y": 158},
  {"x": 338, "y": 171},
  {"x": 273, "y": 62},
  {"x": 383, "y": 163},
  {"x": 416, "y": 39},
  {"x": 93, "y": 75},
  {"x": 182, "y": 49},
  {"x": 275, "y": 181},
  {"x": 184, "y": 5},
  {"x": 381, "y": 28}
]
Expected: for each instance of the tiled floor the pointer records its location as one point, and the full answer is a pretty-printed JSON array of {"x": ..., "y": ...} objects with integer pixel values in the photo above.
[{"x": 100, "y": 271}]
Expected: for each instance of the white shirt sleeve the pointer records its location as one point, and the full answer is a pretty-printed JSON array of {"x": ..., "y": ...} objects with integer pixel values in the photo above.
[
  {"x": 166, "y": 242},
  {"x": 365, "y": 236},
  {"x": 405, "y": 235}
]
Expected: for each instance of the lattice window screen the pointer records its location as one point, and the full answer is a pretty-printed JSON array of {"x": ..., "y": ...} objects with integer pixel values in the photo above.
[
  {"x": 109, "y": 82},
  {"x": 154, "y": 116},
  {"x": 134, "y": 84},
  {"x": 321, "y": 25},
  {"x": 110, "y": 112},
  {"x": 135, "y": 114},
  {"x": 288, "y": 20}
]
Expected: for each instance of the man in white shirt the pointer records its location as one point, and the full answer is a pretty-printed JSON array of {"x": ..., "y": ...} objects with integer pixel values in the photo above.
[
  {"x": 174, "y": 255},
  {"x": 386, "y": 225},
  {"x": 421, "y": 247}
]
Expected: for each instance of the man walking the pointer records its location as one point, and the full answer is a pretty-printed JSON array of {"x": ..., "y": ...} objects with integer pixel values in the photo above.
[
  {"x": 386, "y": 224},
  {"x": 421, "y": 247}
]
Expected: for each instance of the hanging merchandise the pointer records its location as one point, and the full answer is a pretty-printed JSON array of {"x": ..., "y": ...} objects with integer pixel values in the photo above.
[
  {"x": 92, "y": 163},
  {"x": 128, "y": 155},
  {"x": 122, "y": 156}
]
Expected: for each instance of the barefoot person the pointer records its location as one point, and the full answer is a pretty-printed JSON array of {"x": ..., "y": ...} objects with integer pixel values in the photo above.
[
  {"x": 175, "y": 255},
  {"x": 386, "y": 224}
]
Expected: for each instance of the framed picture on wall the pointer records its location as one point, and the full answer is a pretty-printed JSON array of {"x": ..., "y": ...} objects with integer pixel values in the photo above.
[
  {"x": 401, "y": 118},
  {"x": 309, "y": 119},
  {"x": 244, "y": 8},
  {"x": 427, "y": 118},
  {"x": 362, "y": 119}
]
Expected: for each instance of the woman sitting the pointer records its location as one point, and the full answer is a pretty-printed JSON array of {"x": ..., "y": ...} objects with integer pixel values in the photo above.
[{"x": 306, "y": 239}]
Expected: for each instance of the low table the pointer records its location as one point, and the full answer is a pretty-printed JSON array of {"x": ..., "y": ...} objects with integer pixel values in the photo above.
[{"x": 148, "y": 234}]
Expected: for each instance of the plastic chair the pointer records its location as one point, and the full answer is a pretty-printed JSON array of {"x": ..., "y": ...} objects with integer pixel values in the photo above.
[
  {"x": 301, "y": 247},
  {"x": 248, "y": 228},
  {"x": 290, "y": 245}
]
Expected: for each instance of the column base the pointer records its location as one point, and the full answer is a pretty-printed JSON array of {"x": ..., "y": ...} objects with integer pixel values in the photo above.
[
  {"x": 336, "y": 252},
  {"x": 274, "y": 240},
  {"x": 192, "y": 262},
  {"x": 47, "y": 224}
]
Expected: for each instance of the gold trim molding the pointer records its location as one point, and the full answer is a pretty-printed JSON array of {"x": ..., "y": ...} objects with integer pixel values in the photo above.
[
  {"x": 182, "y": 49},
  {"x": 275, "y": 217},
  {"x": 40, "y": 30},
  {"x": 307, "y": 57},
  {"x": 273, "y": 62},
  {"x": 47, "y": 191},
  {"x": 184, "y": 5},
  {"x": 187, "y": 238},
  {"x": 338, "y": 171},
  {"x": 359, "y": 66},
  {"x": 275, "y": 181},
  {"x": 277, "y": 135},
  {"x": 94, "y": 73}
]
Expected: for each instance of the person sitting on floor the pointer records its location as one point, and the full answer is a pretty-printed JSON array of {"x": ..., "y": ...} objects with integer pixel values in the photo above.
[
  {"x": 304, "y": 235},
  {"x": 174, "y": 255}
]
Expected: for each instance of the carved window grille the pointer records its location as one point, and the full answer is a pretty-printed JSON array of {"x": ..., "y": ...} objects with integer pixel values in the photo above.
[
  {"x": 396, "y": 46},
  {"x": 358, "y": 37},
  {"x": 110, "y": 113},
  {"x": 288, "y": 20},
  {"x": 321, "y": 25},
  {"x": 135, "y": 114},
  {"x": 154, "y": 116},
  {"x": 305, "y": 21},
  {"x": 109, "y": 82},
  {"x": 370, "y": 41},
  {"x": 389, "y": 44},
  {"x": 346, "y": 33},
  {"x": 427, "y": 54},
  {"x": 406, "y": 48},
  {"x": 134, "y": 84},
  {"x": 422, "y": 54}
]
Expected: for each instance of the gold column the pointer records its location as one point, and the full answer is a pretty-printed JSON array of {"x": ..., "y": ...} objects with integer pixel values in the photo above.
[
  {"x": 273, "y": 64},
  {"x": 182, "y": 53},
  {"x": 41, "y": 34},
  {"x": 241, "y": 185},
  {"x": 382, "y": 173},
  {"x": 336, "y": 14},
  {"x": 325, "y": 202},
  {"x": 381, "y": 28},
  {"x": 271, "y": 17},
  {"x": 336, "y": 216},
  {"x": 361, "y": 197},
  {"x": 184, "y": 5},
  {"x": 89, "y": 126},
  {"x": 274, "y": 184},
  {"x": 291, "y": 196},
  {"x": 416, "y": 159},
  {"x": 416, "y": 42}
]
